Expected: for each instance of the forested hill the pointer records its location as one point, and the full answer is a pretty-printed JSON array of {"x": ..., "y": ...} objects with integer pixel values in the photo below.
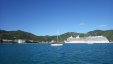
[{"x": 19, "y": 34}]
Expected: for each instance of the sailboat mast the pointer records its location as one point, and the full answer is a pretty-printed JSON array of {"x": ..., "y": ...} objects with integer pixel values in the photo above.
[{"x": 57, "y": 38}]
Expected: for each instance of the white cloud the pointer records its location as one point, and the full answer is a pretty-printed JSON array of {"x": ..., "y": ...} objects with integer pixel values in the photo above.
[
  {"x": 81, "y": 24},
  {"x": 103, "y": 25}
]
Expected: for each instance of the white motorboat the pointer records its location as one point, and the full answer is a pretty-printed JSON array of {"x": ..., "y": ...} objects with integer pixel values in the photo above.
[{"x": 55, "y": 44}]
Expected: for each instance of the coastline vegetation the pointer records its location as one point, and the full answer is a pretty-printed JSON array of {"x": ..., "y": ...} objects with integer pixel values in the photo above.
[{"x": 19, "y": 34}]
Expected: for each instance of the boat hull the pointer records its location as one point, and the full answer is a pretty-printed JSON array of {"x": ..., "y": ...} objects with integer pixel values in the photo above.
[{"x": 56, "y": 44}]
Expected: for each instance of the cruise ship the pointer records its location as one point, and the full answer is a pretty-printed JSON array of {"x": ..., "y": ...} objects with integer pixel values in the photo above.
[{"x": 89, "y": 39}]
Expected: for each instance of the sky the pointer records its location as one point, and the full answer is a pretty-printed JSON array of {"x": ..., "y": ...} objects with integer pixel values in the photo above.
[{"x": 48, "y": 17}]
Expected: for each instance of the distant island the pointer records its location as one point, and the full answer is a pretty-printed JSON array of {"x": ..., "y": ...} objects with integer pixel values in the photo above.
[{"x": 14, "y": 36}]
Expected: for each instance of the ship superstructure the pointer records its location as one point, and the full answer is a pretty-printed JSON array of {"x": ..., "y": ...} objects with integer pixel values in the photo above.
[{"x": 89, "y": 39}]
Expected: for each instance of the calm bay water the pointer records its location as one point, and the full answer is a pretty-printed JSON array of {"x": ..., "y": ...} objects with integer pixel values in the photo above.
[{"x": 47, "y": 54}]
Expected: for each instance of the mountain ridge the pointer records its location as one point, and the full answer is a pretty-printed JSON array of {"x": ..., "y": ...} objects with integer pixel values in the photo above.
[{"x": 19, "y": 34}]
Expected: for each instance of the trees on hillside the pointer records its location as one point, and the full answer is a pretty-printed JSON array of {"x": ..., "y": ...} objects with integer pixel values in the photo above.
[{"x": 29, "y": 36}]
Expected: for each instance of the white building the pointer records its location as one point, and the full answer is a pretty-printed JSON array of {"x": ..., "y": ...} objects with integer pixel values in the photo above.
[{"x": 20, "y": 41}]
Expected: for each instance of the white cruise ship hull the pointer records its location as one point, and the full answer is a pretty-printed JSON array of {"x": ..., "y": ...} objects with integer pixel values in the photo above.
[
  {"x": 73, "y": 42},
  {"x": 87, "y": 42}
]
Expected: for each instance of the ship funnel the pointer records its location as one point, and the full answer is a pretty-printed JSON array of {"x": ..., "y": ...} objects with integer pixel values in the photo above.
[
  {"x": 77, "y": 36},
  {"x": 71, "y": 37}
]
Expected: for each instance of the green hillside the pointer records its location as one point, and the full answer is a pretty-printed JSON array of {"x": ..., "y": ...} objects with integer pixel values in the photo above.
[{"x": 19, "y": 34}]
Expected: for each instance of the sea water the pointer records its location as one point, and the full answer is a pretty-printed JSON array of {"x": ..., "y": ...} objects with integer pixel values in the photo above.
[{"x": 47, "y": 54}]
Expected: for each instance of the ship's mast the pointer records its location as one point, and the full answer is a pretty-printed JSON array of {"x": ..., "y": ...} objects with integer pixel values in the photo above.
[{"x": 57, "y": 36}]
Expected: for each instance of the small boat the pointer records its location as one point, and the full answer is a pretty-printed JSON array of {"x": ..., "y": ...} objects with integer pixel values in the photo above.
[
  {"x": 89, "y": 43},
  {"x": 55, "y": 44}
]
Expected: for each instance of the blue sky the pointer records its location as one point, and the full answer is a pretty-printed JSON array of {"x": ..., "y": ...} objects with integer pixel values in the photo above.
[{"x": 46, "y": 17}]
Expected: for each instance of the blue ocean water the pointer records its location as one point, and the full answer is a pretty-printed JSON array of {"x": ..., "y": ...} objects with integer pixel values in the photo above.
[{"x": 47, "y": 54}]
